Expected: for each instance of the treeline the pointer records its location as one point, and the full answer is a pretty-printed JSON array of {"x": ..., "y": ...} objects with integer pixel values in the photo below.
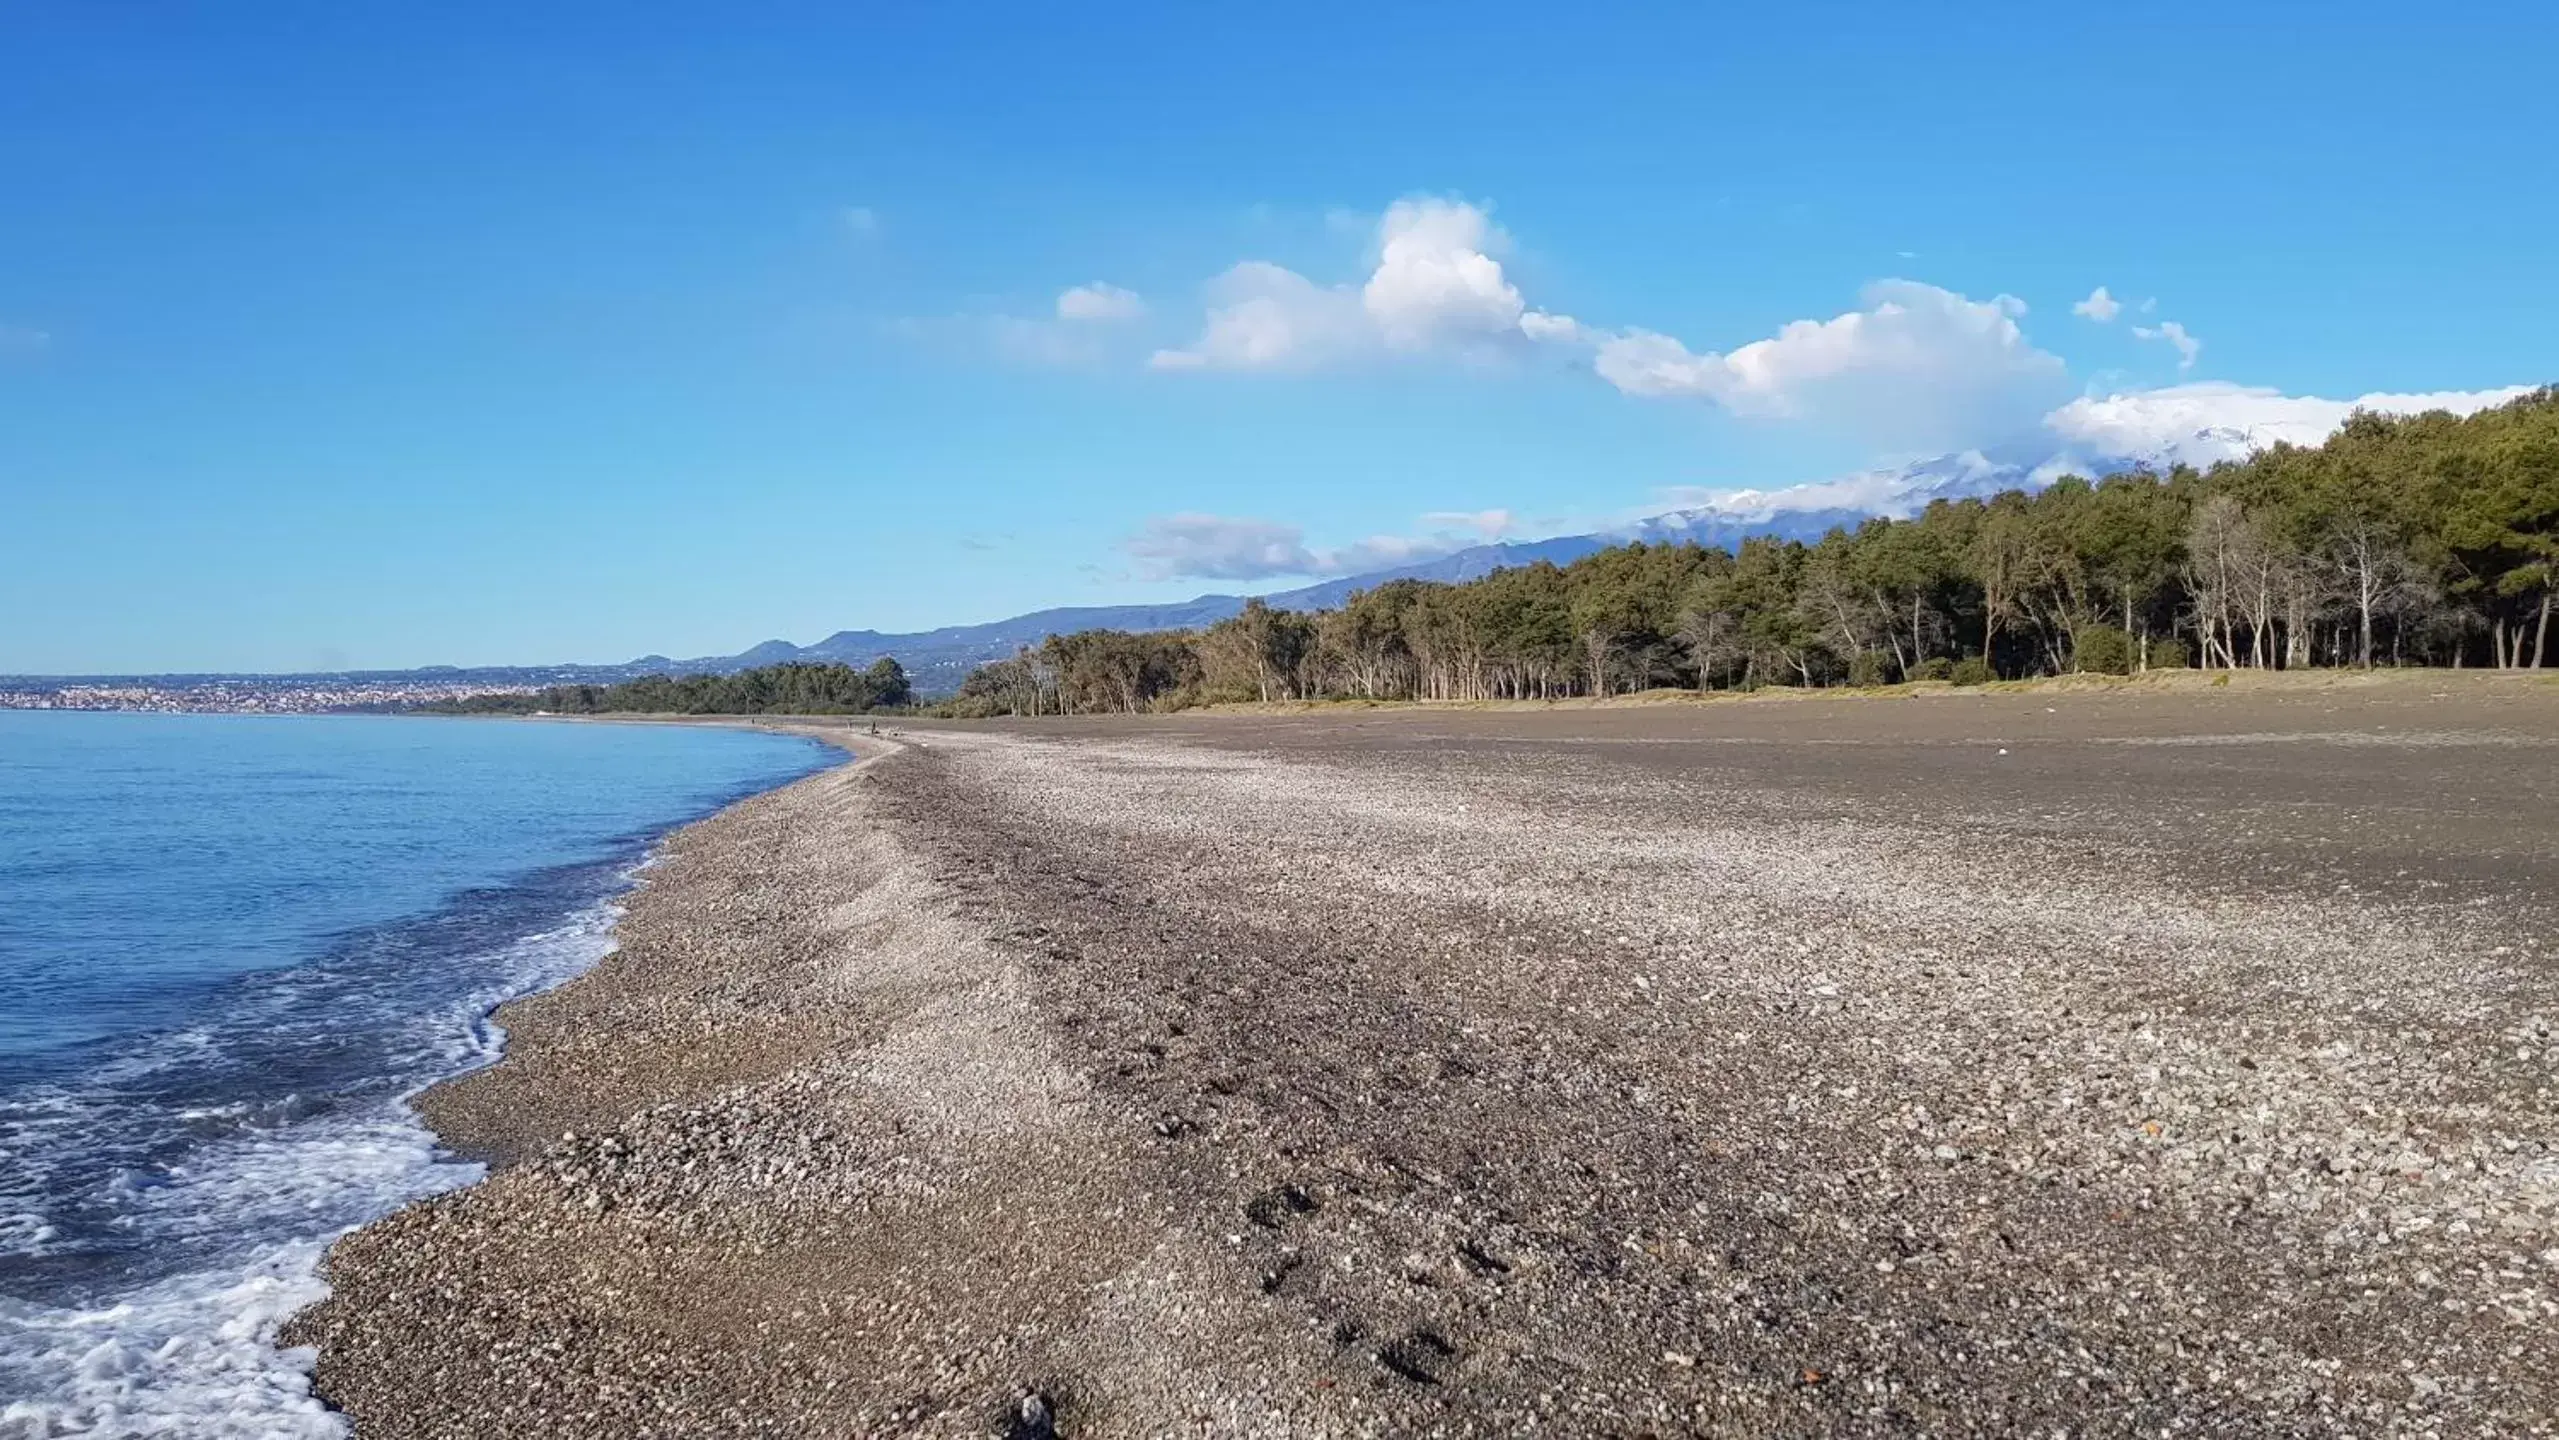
[
  {"x": 2418, "y": 540},
  {"x": 795, "y": 688}
]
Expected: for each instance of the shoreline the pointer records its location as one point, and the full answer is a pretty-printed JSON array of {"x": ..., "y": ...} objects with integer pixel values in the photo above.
[
  {"x": 453, "y": 1135},
  {"x": 467, "y": 1131},
  {"x": 493, "y": 1114}
]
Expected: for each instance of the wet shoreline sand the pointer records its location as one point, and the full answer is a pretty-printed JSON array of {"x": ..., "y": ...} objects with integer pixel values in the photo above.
[{"x": 2121, "y": 1061}]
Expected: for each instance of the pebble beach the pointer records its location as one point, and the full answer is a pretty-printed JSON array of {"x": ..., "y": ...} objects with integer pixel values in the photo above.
[{"x": 2125, "y": 1061}]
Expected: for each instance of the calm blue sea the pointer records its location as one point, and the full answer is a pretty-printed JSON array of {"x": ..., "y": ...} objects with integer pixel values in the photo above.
[{"x": 229, "y": 947}]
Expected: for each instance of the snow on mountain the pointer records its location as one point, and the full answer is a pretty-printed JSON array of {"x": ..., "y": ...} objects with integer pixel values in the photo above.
[{"x": 2208, "y": 422}]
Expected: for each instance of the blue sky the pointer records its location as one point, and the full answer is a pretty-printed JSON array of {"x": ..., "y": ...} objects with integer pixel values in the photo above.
[{"x": 337, "y": 336}]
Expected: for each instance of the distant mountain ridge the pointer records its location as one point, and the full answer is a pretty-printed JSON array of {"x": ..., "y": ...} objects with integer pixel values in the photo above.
[{"x": 939, "y": 659}]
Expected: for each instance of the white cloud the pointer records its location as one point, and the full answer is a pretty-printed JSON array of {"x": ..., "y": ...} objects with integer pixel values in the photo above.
[
  {"x": 1561, "y": 329},
  {"x": 1218, "y": 547},
  {"x": 1436, "y": 279},
  {"x": 18, "y": 341},
  {"x": 859, "y": 219},
  {"x": 2209, "y": 421},
  {"x": 2188, "y": 347},
  {"x": 1264, "y": 317},
  {"x": 1221, "y": 547},
  {"x": 1388, "y": 552},
  {"x": 2099, "y": 306},
  {"x": 1644, "y": 362},
  {"x": 1914, "y": 369},
  {"x": 1435, "y": 286},
  {"x": 1918, "y": 366},
  {"x": 1099, "y": 302}
]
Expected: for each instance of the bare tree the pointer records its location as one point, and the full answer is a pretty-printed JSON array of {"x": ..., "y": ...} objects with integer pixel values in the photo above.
[
  {"x": 2220, "y": 553},
  {"x": 2304, "y": 594},
  {"x": 1708, "y": 632},
  {"x": 2001, "y": 561},
  {"x": 2373, "y": 569}
]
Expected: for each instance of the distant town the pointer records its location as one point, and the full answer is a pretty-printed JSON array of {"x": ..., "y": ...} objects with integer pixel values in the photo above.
[{"x": 281, "y": 695}]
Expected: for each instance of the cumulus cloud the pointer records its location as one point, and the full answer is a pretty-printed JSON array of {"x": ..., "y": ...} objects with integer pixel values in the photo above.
[
  {"x": 1218, "y": 547},
  {"x": 2209, "y": 421},
  {"x": 1222, "y": 547},
  {"x": 1435, "y": 286},
  {"x": 1906, "y": 330},
  {"x": 2188, "y": 347},
  {"x": 1265, "y": 317},
  {"x": 1913, "y": 369},
  {"x": 1915, "y": 366},
  {"x": 1561, "y": 329},
  {"x": 1099, "y": 302},
  {"x": 2099, "y": 306},
  {"x": 1436, "y": 278}
]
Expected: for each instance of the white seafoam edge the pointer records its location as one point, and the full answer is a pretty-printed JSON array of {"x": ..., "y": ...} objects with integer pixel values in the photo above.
[{"x": 195, "y": 1355}]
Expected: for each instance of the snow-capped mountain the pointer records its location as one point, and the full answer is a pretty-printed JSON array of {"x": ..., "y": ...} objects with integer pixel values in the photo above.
[{"x": 1807, "y": 512}]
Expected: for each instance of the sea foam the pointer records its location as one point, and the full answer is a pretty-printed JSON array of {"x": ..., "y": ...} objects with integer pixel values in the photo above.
[
  {"x": 260, "y": 1191},
  {"x": 231, "y": 949}
]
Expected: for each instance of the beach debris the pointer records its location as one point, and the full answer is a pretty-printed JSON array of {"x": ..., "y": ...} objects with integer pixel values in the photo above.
[{"x": 1032, "y": 1419}]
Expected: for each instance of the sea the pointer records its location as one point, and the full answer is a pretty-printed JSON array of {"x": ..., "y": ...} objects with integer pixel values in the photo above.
[{"x": 232, "y": 947}]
